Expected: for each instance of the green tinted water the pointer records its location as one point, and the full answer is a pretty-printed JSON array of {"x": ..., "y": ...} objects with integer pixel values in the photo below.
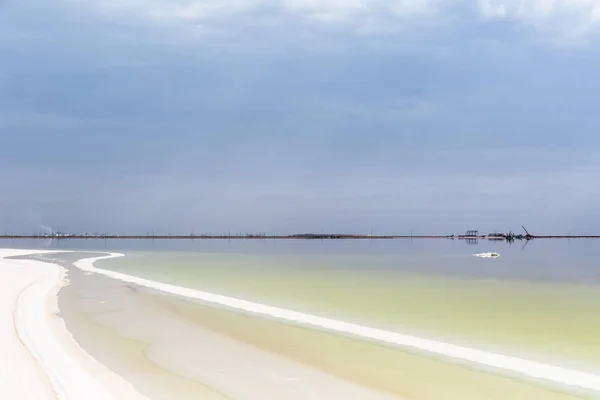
[{"x": 546, "y": 321}]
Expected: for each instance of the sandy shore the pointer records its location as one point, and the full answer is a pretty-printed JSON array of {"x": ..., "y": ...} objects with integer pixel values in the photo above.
[{"x": 40, "y": 360}]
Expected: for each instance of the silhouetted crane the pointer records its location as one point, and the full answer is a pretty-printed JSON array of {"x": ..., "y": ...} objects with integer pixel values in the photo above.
[{"x": 528, "y": 236}]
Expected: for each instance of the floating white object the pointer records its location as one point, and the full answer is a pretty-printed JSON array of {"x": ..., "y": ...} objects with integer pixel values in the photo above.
[{"x": 487, "y": 255}]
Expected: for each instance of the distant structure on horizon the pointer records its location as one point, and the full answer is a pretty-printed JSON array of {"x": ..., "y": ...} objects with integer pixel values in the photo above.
[{"x": 471, "y": 236}]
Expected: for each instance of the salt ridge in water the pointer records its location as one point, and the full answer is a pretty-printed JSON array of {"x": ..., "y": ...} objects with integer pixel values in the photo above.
[{"x": 532, "y": 369}]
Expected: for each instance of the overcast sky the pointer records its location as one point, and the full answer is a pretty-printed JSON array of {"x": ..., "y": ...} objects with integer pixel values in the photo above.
[{"x": 300, "y": 115}]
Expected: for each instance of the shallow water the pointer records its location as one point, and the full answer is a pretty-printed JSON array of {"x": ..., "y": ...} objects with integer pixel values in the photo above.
[
  {"x": 510, "y": 304},
  {"x": 541, "y": 302},
  {"x": 539, "y": 260}
]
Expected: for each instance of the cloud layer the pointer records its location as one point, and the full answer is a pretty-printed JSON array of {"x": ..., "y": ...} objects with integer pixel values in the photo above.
[
  {"x": 298, "y": 115},
  {"x": 557, "y": 20}
]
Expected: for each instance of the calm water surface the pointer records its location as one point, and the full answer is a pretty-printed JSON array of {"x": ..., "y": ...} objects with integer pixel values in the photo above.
[
  {"x": 573, "y": 261},
  {"x": 541, "y": 301}
]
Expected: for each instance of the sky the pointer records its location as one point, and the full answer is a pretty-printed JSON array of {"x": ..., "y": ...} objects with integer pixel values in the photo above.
[{"x": 430, "y": 116}]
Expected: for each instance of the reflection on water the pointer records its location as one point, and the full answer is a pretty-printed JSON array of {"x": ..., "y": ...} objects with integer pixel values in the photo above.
[{"x": 554, "y": 260}]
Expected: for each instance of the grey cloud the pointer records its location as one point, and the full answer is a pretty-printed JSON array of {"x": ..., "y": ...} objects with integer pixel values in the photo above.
[{"x": 109, "y": 123}]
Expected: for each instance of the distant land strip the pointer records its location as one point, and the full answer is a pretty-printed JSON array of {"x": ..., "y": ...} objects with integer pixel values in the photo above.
[{"x": 286, "y": 237}]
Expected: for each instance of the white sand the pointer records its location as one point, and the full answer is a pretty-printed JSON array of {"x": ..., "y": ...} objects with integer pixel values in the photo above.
[{"x": 39, "y": 359}]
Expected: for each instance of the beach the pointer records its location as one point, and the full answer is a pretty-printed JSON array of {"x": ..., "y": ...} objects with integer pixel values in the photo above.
[
  {"x": 40, "y": 359},
  {"x": 109, "y": 335}
]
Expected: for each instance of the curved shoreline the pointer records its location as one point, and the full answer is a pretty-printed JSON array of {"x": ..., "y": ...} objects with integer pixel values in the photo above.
[{"x": 57, "y": 363}]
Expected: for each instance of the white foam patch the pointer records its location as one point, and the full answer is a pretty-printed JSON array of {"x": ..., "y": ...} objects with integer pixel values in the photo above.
[
  {"x": 532, "y": 369},
  {"x": 487, "y": 255}
]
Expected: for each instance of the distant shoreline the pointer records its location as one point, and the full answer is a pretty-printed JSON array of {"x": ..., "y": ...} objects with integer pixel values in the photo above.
[{"x": 288, "y": 237}]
